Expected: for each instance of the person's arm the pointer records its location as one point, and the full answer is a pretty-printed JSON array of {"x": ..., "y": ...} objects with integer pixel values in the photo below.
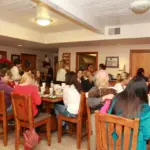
[
  {"x": 15, "y": 74},
  {"x": 36, "y": 97},
  {"x": 94, "y": 92},
  {"x": 94, "y": 102}
]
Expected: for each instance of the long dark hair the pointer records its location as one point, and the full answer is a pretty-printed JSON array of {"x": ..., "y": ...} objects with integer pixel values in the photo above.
[
  {"x": 140, "y": 72},
  {"x": 71, "y": 79},
  {"x": 130, "y": 100}
]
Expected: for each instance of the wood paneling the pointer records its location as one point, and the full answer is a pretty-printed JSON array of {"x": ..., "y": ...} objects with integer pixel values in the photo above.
[{"x": 139, "y": 59}]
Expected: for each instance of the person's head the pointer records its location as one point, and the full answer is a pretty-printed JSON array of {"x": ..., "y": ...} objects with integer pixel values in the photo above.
[
  {"x": 80, "y": 74},
  {"x": 27, "y": 78},
  {"x": 118, "y": 77},
  {"x": 140, "y": 72},
  {"x": 130, "y": 100},
  {"x": 5, "y": 75},
  {"x": 102, "y": 67},
  {"x": 125, "y": 78},
  {"x": 101, "y": 79},
  {"x": 17, "y": 62},
  {"x": 86, "y": 74},
  {"x": 38, "y": 74},
  {"x": 71, "y": 79},
  {"x": 90, "y": 68}
]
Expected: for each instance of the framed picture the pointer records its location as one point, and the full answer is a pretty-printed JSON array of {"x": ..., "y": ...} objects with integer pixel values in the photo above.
[
  {"x": 14, "y": 56},
  {"x": 3, "y": 54},
  {"x": 112, "y": 62}
]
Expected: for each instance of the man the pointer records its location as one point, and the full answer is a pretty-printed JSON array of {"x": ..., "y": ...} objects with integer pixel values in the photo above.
[
  {"x": 4, "y": 78},
  {"x": 15, "y": 70}
]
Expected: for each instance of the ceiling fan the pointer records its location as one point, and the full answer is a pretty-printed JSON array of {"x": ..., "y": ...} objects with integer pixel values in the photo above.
[{"x": 140, "y": 6}]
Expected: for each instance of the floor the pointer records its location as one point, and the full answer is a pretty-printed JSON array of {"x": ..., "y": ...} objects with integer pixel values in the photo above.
[{"x": 68, "y": 143}]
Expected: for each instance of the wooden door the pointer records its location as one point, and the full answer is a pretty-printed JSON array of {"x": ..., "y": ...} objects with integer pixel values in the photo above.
[
  {"x": 139, "y": 59},
  {"x": 28, "y": 62}
]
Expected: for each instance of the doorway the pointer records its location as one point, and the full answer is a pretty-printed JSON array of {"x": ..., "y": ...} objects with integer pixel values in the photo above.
[
  {"x": 85, "y": 58},
  {"x": 139, "y": 59}
]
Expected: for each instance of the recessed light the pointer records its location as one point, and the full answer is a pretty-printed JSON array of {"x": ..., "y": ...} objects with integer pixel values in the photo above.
[{"x": 19, "y": 45}]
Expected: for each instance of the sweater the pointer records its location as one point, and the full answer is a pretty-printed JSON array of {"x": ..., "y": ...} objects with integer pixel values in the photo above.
[{"x": 31, "y": 90}]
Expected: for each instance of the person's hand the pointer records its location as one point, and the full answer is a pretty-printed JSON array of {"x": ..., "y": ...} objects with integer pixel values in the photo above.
[{"x": 109, "y": 96}]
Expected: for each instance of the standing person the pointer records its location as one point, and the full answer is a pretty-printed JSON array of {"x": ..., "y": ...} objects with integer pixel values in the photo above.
[
  {"x": 15, "y": 70},
  {"x": 71, "y": 97},
  {"x": 140, "y": 72},
  {"x": 61, "y": 73},
  {"x": 90, "y": 69},
  {"x": 80, "y": 76},
  {"x": 49, "y": 77},
  {"x": 4, "y": 78},
  {"x": 133, "y": 103},
  {"x": 27, "y": 87}
]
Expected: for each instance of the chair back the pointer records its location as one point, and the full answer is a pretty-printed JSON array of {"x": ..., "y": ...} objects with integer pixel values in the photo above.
[
  {"x": 88, "y": 117},
  {"x": 3, "y": 110},
  {"x": 109, "y": 127},
  {"x": 22, "y": 107},
  {"x": 82, "y": 107}
]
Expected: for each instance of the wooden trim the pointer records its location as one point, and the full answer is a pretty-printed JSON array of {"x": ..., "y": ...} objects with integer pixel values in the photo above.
[
  {"x": 67, "y": 17},
  {"x": 136, "y": 51},
  {"x": 4, "y": 53},
  {"x": 77, "y": 55}
]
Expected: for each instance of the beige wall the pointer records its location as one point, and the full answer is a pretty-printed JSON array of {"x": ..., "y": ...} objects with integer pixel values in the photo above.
[
  {"x": 123, "y": 51},
  {"x": 40, "y": 54}
]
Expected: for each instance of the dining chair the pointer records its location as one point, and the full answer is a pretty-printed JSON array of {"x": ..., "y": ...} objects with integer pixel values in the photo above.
[
  {"x": 4, "y": 117},
  {"x": 114, "y": 132},
  {"x": 77, "y": 120},
  {"x": 22, "y": 107}
]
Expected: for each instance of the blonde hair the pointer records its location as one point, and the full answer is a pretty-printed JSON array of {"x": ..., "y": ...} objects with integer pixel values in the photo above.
[
  {"x": 27, "y": 77},
  {"x": 101, "y": 81}
]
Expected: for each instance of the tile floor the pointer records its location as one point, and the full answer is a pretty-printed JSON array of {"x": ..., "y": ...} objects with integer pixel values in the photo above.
[{"x": 68, "y": 143}]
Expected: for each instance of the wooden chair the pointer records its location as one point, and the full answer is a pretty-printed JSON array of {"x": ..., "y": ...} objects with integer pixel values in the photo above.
[
  {"x": 4, "y": 117},
  {"x": 78, "y": 121},
  {"x": 88, "y": 125},
  {"x": 22, "y": 107},
  {"x": 107, "y": 125}
]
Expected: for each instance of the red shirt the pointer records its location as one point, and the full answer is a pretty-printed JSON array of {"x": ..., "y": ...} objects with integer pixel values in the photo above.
[{"x": 29, "y": 90}]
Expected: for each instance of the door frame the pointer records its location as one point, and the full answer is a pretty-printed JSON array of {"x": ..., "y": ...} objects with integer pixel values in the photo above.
[
  {"x": 77, "y": 54},
  {"x": 136, "y": 51}
]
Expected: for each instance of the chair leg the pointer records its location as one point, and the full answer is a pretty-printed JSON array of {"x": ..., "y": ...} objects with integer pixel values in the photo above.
[
  {"x": 48, "y": 126},
  {"x": 5, "y": 131},
  {"x": 88, "y": 134},
  {"x": 59, "y": 130},
  {"x": 79, "y": 134},
  {"x": 17, "y": 136}
]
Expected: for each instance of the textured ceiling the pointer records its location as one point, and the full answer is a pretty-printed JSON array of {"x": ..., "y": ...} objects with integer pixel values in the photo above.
[
  {"x": 111, "y": 12},
  {"x": 23, "y": 12}
]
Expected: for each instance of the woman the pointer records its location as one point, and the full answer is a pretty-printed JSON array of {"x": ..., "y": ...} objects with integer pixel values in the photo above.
[
  {"x": 79, "y": 76},
  {"x": 133, "y": 103},
  {"x": 123, "y": 82},
  {"x": 87, "y": 82},
  {"x": 140, "y": 72},
  {"x": 27, "y": 87},
  {"x": 71, "y": 97}
]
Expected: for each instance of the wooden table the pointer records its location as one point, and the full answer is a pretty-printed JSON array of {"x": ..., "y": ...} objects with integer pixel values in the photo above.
[{"x": 49, "y": 104}]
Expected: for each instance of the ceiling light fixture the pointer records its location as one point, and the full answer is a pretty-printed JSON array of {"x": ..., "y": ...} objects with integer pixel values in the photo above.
[
  {"x": 20, "y": 45},
  {"x": 42, "y": 16},
  {"x": 140, "y": 6}
]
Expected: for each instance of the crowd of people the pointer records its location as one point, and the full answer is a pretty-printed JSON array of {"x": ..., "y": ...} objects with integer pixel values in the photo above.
[{"x": 128, "y": 98}]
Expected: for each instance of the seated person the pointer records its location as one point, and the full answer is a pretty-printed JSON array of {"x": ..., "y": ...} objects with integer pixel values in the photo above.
[
  {"x": 87, "y": 82},
  {"x": 80, "y": 76},
  {"x": 27, "y": 87},
  {"x": 71, "y": 97},
  {"x": 4, "y": 78},
  {"x": 122, "y": 83},
  {"x": 133, "y": 103},
  {"x": 141, "y": 73}
]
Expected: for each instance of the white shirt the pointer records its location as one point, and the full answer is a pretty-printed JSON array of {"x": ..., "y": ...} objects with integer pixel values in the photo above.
[
  {"x": 61, "y": 75},
  {"x": 71, "y": 99},
  {"x": 15, "y": 73},
  {"x": 119, "y": 88}
]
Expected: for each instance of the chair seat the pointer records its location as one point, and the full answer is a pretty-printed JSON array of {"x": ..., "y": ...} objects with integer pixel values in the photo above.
[
  {"x": 68, "y": 118},
  {"x": 41, "y": 116}
]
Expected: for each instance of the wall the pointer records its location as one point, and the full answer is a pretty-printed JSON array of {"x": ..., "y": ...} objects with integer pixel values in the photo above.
[
  {"x": 40, "y": 53},
  {"x": 123, "y": 51}
]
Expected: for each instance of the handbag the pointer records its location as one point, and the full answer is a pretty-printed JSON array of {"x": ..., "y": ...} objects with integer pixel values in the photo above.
[{"x": 31, "y": 139}]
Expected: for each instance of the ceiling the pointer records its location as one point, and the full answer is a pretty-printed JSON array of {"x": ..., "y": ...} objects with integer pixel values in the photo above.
[
  {"x": 23, "y": 12},
  {"x": 111, "y": 12}
]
